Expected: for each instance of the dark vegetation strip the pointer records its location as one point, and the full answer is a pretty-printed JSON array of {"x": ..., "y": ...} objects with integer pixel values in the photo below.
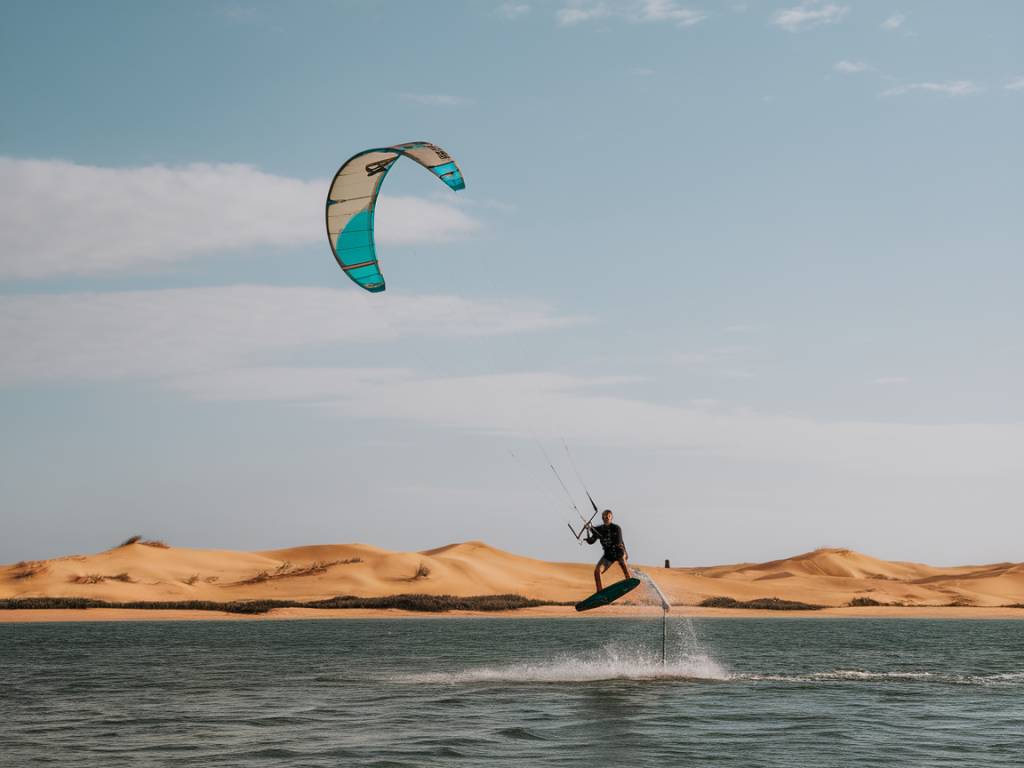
[
  {"x": 145, "y": 542},
  {"x": 867, "y": 602},
  {"x": 870, "y": 602},
  {"x": 759, "y": 604},
  {"x": 421, "y": 603}
]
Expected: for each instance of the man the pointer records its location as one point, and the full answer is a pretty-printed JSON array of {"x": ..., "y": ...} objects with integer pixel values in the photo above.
[{"x": 610, "y": 536}]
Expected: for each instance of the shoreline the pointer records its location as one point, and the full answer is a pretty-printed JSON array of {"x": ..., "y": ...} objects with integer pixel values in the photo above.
[
  {"x": 150, "y": 580},
  {"x": 75, "y": 615}
]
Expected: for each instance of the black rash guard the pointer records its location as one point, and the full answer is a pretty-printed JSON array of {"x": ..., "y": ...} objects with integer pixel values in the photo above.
[{"x": 611, "y": 540}]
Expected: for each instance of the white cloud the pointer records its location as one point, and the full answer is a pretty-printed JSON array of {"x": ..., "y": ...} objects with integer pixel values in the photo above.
[
  {"x": 668, "y": 10},
  {"x": 636, "y": 11},
  {"x": 513, "y": 10},
  {"x": 950, "y": 88},
  {"x": 161, "y": 334},
  {"x": 894, "y": 22},
  {"x": 851, "y": 67},
  {"x": 401, "y": 220},
  {"x": 809, "y": 14},
  {"x": 1017, "y": 84},
  {"x": 61, "y": 218},
  {"x": 582, "y": 411},
  {"x": 435, "y": 99},
  {"x": 888, "y": 380},
  {"x": 576, "y": 15},
  {"x": 227, "y": 343}
]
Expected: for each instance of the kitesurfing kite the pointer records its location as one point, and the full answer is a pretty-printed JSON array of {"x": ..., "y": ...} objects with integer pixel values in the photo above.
[{"x": 353, "y": 197}]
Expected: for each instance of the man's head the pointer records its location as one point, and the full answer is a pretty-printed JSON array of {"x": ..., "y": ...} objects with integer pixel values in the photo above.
[{"x": 606, "y": 516}]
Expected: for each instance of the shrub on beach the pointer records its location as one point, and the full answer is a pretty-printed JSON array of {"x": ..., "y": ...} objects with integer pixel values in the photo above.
[
  {"x": 759, "y": 604},
  {"x": 26, "y": 569},
  {"x": 433, "y": 603},
  {"x": 97, "y": 578},
  {"x": 287, "y": 570},
  {"x": 420, "y": 603},
  {"x": 864, "y": 602},
  {"x": 137, "y": 539}
]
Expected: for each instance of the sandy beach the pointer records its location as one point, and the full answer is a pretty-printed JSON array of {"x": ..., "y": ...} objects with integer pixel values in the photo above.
[
  {"x": 17, "y": 616},
  {"x": 154, "y": 572}
]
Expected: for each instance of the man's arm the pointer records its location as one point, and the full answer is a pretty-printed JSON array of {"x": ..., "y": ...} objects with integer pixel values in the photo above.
[{"x": 592, "y": 535}]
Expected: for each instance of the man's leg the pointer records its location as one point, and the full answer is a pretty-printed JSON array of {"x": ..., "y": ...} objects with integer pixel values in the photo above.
[
  {"x": 597, "y": 577},
  {"x": 625, "y": 570}
]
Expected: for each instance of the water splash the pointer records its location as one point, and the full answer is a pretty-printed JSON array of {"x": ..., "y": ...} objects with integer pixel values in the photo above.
[
  {"x": 613, "y": 663},
  {"x": 653, "y": 587}
]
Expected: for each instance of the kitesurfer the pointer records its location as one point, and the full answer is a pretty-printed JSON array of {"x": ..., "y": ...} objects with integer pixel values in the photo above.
[{"x": 610, "y": 536}]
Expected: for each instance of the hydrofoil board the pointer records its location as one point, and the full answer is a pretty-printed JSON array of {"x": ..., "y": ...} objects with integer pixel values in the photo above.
[{"x": 608, "y": 594}]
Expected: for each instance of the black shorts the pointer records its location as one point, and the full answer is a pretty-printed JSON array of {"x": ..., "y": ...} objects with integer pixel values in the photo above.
[{"x": 608, "y": 559}]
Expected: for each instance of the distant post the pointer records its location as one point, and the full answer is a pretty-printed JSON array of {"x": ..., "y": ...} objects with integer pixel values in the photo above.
[{"x": 666, "y": 563}]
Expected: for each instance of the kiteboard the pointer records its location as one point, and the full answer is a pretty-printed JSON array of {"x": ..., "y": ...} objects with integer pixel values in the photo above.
[{"x": 608, "y": 594}]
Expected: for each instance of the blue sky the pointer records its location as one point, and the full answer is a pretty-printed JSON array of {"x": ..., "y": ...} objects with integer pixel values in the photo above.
[{"x": 758, "y": 263}]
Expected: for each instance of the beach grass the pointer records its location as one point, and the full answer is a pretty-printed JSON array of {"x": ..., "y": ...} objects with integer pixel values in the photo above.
[
  {"x": 419, "y": 603},
  {"x": 760, "y": 604}
]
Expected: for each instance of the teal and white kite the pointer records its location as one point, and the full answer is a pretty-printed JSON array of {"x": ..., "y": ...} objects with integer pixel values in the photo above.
[{"x": 353, "y": 196}]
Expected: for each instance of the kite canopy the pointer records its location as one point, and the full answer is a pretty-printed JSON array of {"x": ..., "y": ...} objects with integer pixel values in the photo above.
[{"x": 353, "y": 196}]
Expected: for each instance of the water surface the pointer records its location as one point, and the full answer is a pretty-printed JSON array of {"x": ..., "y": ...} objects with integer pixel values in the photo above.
[{"x": 503, "y": 692}]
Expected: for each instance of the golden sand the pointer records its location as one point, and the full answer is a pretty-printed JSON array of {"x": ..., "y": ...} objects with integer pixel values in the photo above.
[{"x": 829, "y": 577}]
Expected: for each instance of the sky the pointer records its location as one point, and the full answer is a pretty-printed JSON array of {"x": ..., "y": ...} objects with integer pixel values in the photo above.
[{"x": 754, "y": 268}]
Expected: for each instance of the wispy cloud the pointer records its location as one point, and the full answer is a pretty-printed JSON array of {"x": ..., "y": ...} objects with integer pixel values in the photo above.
[
  {"x": 229, "y": 343},
  {"x": 130, "y": 218},
  {"x": 894, "y": 22},
  {"x": 850, "y": 67},
  {"x": 435, "y": 99},
  {"x": 513, "y": 10},
  {"x": 1017, "y": 84},
  {"x": 949, "y": 88},
  {"x": 637, "y": 11},
  {"x": 587, "y": 410},
  {"x": 808, "y": 15},
  {"x": 578, "y": 14},
  {"x": 164, "y": 334},
  {"x": 890, "y": 380}
]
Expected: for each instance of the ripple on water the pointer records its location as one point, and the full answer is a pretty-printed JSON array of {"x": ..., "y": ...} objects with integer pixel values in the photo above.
[
  {"x": 867, "y": 676},
  {"x": 493, "y": 693}
]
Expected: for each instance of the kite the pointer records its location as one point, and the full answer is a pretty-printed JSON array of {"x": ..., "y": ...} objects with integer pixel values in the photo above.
[{"x": 353, "y": 197}]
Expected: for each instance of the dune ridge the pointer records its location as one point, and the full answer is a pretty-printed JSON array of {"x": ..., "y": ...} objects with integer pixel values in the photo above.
[{"x": 143, "y": 572}]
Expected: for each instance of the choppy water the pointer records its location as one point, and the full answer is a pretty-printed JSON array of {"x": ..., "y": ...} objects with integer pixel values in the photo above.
[{"x": 503, "y": 692}]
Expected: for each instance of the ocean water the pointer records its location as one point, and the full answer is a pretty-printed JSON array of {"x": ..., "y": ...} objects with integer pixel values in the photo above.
[{"x": 511, "y": 692}]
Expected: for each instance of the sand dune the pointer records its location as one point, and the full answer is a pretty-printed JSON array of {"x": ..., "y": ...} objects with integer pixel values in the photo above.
[{"x": 830, "y": 577}]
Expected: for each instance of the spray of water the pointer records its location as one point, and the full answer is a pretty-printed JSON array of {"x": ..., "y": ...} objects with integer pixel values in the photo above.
[
  {"x": 614, "y": 661},
  {"x": 678, "y": 656},
  {"x": 625, "y": 663}
]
